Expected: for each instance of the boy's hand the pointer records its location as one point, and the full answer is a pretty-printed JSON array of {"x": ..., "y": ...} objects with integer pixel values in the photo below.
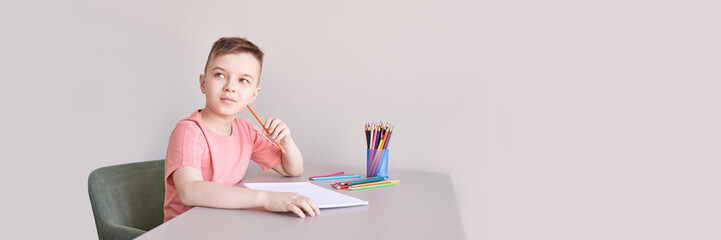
[
  {"x": 279, "y": 132},
  {"x": 289, "y": 202}
]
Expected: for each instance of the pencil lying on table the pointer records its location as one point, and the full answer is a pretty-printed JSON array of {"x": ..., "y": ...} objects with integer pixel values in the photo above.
[
  {"x": 335, "y": 177},
  {"x": 328, "y": 175},
  {"x": 372, "y": 186},
  {"x": 263, "y": 125},
  {"x": 375, "y": 179},
  {"x": 366, "y": 184}
]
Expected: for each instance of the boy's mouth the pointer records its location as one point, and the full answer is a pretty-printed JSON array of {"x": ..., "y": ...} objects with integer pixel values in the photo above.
[{"x": 227, "y": 100}]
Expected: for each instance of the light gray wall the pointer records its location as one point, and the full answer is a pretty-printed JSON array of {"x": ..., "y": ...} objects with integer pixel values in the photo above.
[{"x": 555, "y": 119}]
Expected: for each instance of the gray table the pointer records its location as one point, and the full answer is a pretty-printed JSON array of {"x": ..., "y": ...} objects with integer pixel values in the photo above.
[{"x": 421, "y": 206}]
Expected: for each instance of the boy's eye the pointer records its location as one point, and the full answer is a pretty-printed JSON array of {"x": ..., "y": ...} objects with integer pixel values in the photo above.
[
  {"x": 220, "y": 75},
  {"x": 243, "y": 80}
]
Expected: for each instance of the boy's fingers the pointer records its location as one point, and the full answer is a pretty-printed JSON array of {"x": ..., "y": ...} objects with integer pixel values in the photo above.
[
  {"x": 280, "y": 131},
  {"x": 274, "y": 128},
  {"x": 272, "y": 133},
  {"x": 297, "y": 211},
  {"x": 307, "y": 208},
  {"x": 267, "y": 123},
  {"x": 284, "y": 129},
  {"x": 314, "y": 206},
  {"x": 282, "y": 134}
]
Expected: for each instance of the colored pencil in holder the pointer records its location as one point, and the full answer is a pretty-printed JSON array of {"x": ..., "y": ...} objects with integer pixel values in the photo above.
[{"x": 378, "y": 136}]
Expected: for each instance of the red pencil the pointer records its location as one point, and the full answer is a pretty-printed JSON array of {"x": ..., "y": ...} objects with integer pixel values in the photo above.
[{"x": 368, "y": 142}]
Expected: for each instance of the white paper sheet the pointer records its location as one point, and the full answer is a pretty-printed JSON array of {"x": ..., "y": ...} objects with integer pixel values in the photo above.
[{"x": 325, "y": 198}]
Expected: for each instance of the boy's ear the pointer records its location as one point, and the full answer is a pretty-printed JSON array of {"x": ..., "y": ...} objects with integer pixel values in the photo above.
[
  {"x": 202, "y": 83},
  {"x": 255, "y": 95}
]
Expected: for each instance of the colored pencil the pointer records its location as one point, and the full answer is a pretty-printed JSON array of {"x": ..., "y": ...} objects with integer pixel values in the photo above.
[
  {"x": 376, "y": 183},
  {"x": 378, "y": 154},
  {"x": 390, "y": 133},
  {"x": 365, "y": 130},
  {"x": 372, "y": 186},
  {"x": 372, "y": 143},
  {"x": 329, "y": 174},
  {"x": 385, "y": 144},
  {"x": 369, "y": 184},
  {"x": 263, "y": 125},
  {"x": 378, "y": 136},
  {"x": 335, "y": 177},
  {"x": 375, "y": 154},
  {"x": 373, "y": 179}
]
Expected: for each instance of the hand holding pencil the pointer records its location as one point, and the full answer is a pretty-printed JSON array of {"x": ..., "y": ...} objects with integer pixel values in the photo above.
[{"x": 277, "y": 131}]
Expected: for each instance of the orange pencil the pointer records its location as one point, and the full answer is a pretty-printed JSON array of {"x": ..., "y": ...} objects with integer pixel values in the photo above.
[{"x": 263, "y": 125}]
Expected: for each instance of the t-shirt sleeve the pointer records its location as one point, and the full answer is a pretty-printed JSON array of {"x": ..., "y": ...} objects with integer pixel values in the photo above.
[
  {"x": 265, "y": 152},
  {"x": 185, "y": 149}
]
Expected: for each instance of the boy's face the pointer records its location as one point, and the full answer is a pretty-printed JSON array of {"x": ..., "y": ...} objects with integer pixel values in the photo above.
[{"x": 230, "y": 83}]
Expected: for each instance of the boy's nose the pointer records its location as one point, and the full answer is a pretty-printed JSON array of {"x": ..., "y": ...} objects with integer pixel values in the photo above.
[{"x": 227, "y": 88}]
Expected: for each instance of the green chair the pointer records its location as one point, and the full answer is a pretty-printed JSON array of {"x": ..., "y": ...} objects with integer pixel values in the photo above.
[{"x": 127, "y": 199}]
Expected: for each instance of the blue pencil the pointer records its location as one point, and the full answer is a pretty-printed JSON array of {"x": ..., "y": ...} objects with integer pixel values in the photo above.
[{"x": 336, "y": 177}]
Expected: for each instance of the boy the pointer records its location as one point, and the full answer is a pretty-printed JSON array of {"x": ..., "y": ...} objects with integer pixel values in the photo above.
[{"x": 209, "y": 151}]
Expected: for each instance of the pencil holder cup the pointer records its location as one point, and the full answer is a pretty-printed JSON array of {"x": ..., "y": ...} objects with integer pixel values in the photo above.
[{"x": 377, "y": 162}]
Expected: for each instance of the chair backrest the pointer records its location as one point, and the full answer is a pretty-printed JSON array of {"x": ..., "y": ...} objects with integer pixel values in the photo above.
[{"x": 127, "y": 199}]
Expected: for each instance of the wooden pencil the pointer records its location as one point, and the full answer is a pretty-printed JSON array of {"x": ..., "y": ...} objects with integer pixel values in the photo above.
[{"x": 263, "y": 125}]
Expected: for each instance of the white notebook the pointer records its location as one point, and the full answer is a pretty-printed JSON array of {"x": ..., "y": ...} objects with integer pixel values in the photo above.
[{"x": 325, "y": 198}]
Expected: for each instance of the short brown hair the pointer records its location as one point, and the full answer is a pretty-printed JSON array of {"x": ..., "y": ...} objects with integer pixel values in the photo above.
[{"x": 229, "y": 45}]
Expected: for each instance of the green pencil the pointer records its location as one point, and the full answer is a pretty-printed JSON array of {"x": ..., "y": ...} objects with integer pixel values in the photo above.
[{"x": 372, "y": 186}]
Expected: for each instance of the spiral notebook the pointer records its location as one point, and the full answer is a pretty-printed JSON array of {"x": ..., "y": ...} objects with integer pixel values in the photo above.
[{"x": 325, "y": 198}]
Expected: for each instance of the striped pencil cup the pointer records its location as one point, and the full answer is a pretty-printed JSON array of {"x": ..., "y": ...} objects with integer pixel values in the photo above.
[{"x": 377, "y": 162}]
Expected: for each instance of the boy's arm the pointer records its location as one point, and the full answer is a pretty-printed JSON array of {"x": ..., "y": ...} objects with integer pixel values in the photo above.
[
  {"x": 193, "y": 191},
  {"x": 291, "y": 163}
]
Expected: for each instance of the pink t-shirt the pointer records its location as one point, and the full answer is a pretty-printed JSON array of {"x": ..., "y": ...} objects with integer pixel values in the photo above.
[{"x": 220, "y": 159}]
